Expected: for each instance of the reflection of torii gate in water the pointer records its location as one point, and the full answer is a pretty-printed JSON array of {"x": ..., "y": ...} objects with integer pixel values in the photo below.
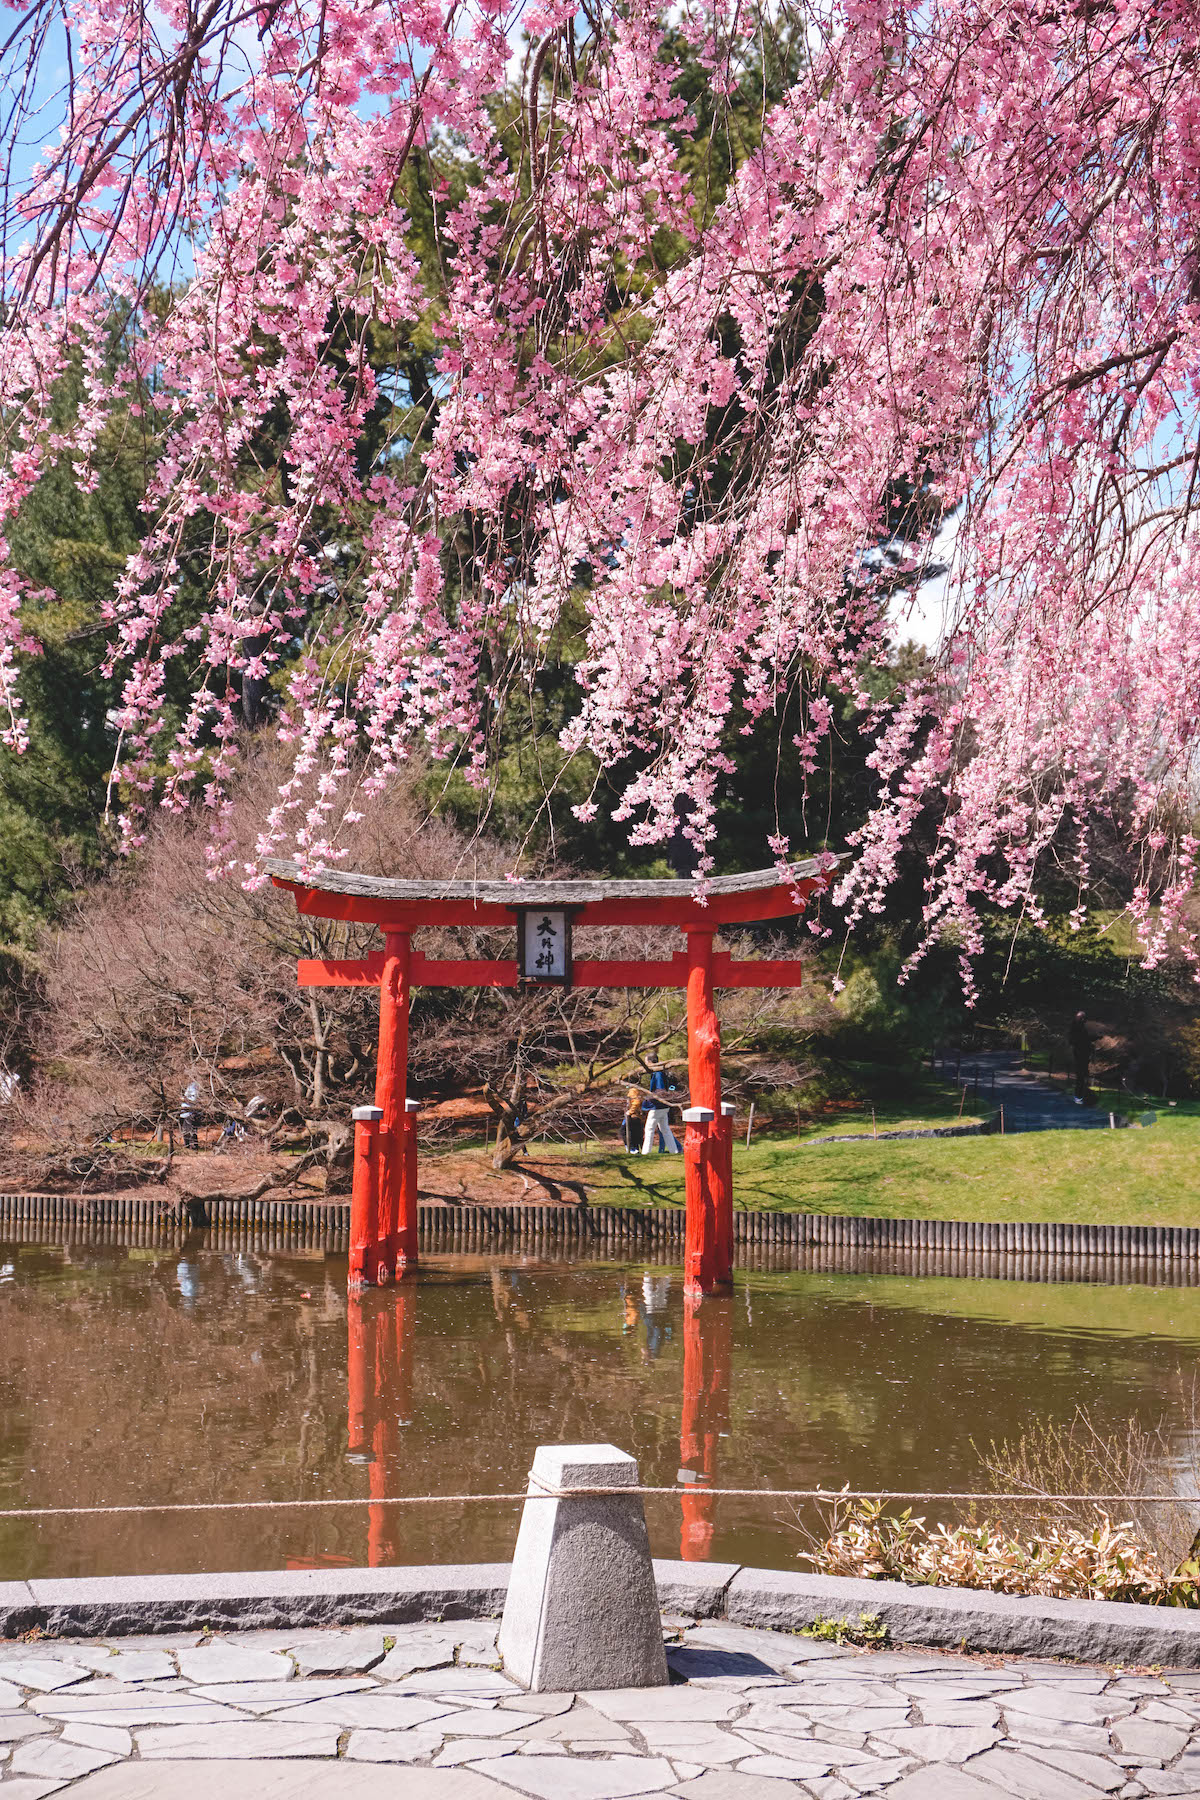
[
  {"x": 380, "y": 1399},
  {"x": 707, "y": 1366},
  {"x": 383, "y": 1214},
  {"x": 379, "y": 1370}
]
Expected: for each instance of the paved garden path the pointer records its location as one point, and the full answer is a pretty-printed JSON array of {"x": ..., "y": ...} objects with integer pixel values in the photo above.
[
  {"x": 422, "y": 1713},
  {"x": 1028, "y": 1104}
]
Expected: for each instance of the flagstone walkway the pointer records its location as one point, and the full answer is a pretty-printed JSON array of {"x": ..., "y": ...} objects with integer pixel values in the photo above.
[{"x": 422, "y": 1713}]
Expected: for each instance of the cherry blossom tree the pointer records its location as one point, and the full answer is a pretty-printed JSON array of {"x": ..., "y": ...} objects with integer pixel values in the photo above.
[{"x": 957, "y": 255}]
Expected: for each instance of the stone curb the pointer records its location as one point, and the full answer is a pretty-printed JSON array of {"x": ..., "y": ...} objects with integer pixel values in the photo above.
[
  {"x": 120, "y": 1605},
  {"x": 1105, "y": 1631},
  {"x": 1101, "y": 1631}
]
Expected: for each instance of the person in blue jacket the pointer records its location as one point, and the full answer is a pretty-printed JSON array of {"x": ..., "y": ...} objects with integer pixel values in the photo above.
[{"x": 655, "y": 1108}]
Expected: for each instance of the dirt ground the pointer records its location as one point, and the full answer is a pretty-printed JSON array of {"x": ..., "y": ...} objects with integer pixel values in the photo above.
[{"x": 448, "y": 1177}]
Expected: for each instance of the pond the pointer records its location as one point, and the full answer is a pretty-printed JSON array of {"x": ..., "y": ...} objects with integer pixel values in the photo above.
[{"x": 137, "y": 1375}]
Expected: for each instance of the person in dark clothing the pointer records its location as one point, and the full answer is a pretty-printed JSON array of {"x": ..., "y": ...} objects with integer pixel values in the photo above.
[{"x": 1081, "y": 1050}]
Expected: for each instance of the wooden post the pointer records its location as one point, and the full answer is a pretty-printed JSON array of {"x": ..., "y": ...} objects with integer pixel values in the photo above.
[
  {"x": 700, "y": 1224},
  {"x": 364, "y": 1195},
  {"x": 710, "y": 1193},
  {"x": 391, "y": 1080}
]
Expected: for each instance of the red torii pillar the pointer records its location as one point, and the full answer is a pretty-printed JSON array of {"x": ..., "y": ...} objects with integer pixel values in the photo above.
[
  {"x": 364, "y": 1262},
  {"x": 383, "y": 1202},
  {"x": 391, "y": 1082},
  {"x": 708, "y": 1175},
  {"x": 397, "y": 1194}
]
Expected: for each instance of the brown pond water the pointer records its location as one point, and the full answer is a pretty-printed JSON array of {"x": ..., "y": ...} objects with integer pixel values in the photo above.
[{"x": 137, "y": 1375}]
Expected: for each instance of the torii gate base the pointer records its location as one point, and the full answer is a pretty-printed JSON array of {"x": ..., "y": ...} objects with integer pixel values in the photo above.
[{"x": 383, "y": 1207}]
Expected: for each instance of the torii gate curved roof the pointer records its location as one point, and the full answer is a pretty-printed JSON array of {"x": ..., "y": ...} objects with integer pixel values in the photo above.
[{"x": 384, "y": 900}]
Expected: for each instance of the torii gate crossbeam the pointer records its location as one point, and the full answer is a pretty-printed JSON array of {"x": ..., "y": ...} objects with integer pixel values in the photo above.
[{"x": 383, "y": 1227}]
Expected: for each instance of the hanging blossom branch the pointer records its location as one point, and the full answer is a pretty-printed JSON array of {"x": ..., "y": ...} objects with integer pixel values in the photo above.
[{"x": 959, "y": 251}]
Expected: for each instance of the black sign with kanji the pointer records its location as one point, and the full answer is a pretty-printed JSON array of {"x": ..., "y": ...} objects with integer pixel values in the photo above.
[{"x": 544, "y": 945}]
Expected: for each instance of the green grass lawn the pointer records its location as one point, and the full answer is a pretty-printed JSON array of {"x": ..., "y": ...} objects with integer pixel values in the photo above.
[{"x": 1135, "y": 1177}]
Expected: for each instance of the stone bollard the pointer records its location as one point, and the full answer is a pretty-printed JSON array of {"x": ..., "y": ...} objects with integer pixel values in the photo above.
[{"x": 582, "y": 1609}]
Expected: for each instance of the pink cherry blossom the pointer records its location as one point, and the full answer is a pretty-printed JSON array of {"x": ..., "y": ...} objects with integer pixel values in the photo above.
[{"x": 960, "y": 249}]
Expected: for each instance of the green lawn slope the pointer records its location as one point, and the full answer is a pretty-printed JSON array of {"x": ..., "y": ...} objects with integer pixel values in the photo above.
[{"x": 1131, "y": 1177}]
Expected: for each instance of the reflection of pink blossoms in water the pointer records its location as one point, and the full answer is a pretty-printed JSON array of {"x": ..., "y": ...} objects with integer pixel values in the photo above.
[{"x": 963, "y": 252}]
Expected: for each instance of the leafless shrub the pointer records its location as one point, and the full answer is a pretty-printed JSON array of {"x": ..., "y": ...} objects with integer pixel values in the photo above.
[
  {"x": 1069, "y": 1537},
  {"x": 161, "y": 977},
  {"x": 89, "y": 1169},
  {"x": 1080, "y": 1458}
]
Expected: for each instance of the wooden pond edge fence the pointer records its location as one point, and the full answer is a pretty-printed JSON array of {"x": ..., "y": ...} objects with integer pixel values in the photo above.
[{"x": 652, "y": 1232}]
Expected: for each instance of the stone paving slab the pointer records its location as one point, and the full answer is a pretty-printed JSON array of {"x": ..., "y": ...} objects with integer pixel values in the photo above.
[
  {"x": 292, "y": 1780},
  {"x": 423, "y": 1711},
  {"x": 348, "y": 1653}
]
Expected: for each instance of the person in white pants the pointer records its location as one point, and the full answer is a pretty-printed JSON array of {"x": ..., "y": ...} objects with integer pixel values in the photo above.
[
  {"x": 656, "y": 1114},
  {"x": 656, "y": 1121}
]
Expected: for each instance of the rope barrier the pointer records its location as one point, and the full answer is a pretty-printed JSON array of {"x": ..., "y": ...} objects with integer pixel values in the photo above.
[{"x": 597, "y": 1493}]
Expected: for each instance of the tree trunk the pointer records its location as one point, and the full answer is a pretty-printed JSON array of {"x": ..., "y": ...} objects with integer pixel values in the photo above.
[
  {"x": 507, "y": 1146},
  {"x": 320, "y": 1039},
  {"x": 508, "y": 1132},
  {"x": 338, "y": 1159}
]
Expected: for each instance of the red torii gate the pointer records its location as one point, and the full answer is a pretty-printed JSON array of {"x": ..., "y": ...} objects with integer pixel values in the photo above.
[{"x": 383, "y": 1213}]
